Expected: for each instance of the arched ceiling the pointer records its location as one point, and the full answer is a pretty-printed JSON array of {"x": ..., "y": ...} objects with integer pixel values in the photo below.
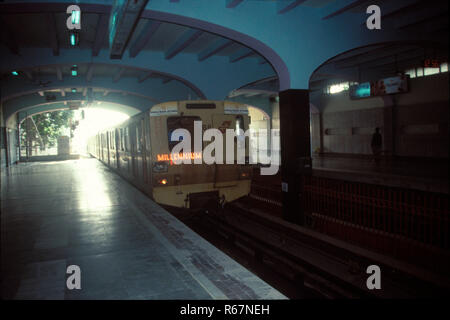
[{"x": 172, "y": 50}]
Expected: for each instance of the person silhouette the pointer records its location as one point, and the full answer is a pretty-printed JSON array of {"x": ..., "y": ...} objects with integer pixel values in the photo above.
[{"x": 376, "y": 144}]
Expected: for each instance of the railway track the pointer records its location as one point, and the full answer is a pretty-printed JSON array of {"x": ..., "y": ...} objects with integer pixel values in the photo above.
[{"x": 302, "y": 263}]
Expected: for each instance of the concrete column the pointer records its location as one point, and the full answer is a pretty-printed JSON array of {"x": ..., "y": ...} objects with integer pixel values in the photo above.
[{"x": 295, "y": 150}]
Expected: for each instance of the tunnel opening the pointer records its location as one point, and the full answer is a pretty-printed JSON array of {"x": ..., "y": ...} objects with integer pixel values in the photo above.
[{"x": 63, "y": 134}]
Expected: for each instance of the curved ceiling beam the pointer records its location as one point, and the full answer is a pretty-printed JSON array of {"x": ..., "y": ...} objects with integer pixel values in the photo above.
[
  {"x": 153, "y": 89},
  {"x": 210, "y": 79},
  {"x": 130, "y": 111},
  {"x": 359, "y": 64},
  {"x": 267, "y": 52},
  {"x": 24, "y": 103},
  {"x": 295, "y": 43},
  {"x": 187, "y": 66}
]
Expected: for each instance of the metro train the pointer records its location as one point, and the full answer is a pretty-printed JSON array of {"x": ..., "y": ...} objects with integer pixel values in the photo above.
[{"x": 139, "y": 150}]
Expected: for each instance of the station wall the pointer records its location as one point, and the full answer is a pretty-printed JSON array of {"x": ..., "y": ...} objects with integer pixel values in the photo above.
[{"x": 414, "y": 124}]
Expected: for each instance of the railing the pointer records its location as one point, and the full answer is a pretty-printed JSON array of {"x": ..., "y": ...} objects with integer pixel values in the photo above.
[{"x": 406, "y": 224}]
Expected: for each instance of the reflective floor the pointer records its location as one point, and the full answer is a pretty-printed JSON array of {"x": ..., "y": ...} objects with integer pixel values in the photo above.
[{"x": 77, "y": 212}]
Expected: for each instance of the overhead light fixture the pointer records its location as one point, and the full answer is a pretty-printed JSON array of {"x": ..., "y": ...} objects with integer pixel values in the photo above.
[
  {"x": 74, "y": 70},
  {"x": 74, "y": 38},
  {"x": 15, "y": 73}
]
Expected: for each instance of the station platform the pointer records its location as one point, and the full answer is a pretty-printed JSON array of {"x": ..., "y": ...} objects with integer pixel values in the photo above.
[
  {"x": 78, "y": 212},
  {"x": 416, "y": 174}
]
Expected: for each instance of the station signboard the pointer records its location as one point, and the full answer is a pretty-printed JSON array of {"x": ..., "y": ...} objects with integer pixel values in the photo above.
[{"x": 392, "y": 85}]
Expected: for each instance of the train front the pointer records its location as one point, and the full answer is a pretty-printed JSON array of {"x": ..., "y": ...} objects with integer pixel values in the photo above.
[{"x": 199, "y": 153}]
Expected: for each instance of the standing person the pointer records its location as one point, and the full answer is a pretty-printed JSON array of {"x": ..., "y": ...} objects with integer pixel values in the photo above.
[{"x": 376, "y": 144}]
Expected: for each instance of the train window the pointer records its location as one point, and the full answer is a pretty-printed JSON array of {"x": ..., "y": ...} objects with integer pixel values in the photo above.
[
  {"x": 111, "y": 140},
  {"x": 187, "y": 123},
  {"x": 122, "y": 140},
  {"x": 138, "y": 138},
  {"x": 127, "y": 139},
  {"x": 240, "y": 123},
  {"x": 147, "y": 132}
]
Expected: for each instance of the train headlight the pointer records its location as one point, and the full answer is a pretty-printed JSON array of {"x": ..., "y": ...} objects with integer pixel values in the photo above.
[
  {"x": 245, "y": 172},
  {"x": 162, "y": 181},
  {"x": 160, "y": 166}
]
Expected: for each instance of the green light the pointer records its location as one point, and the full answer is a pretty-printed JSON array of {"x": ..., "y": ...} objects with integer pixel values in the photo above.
[
  {"x": 15, "y": 73},
  {"x": 74, "y": 90},
  {"x": 73, "y": 39},
  {"x": 74, "y": 70},
  {"x": 75, "y": 17},
  {"x": 74, "y": 73}
]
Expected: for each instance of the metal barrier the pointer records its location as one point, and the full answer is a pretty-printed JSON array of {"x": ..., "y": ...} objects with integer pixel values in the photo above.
[{"x": 394, "y": 221}]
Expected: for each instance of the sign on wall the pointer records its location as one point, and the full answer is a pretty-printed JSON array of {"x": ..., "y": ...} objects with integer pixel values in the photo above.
[{"x": 392, "y": 85}]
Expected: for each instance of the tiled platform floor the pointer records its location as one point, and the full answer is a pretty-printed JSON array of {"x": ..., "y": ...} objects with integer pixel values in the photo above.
[{"x": 77, "y": 212}]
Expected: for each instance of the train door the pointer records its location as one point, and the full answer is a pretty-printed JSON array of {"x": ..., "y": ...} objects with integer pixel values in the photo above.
[
  {"x": 127, "y": 152},
  {"x": 139, "y": 144},
  {"x": 108, "y": 146},
  {"x": 124, "y": 152},
  {"x": 119, "y": 148},
  {"x": 136, "y": 151},
  {"x": 112, "y": 151},
  {"x": 116, "y": 147},
  {"x": 102, "y": 146},
  {"x": 147, "y": 154},
  {"x": 105, "y": 149},
  {"x": 132, "y": 135}
]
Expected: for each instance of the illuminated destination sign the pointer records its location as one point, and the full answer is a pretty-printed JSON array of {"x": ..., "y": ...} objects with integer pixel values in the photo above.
[
  {"x": 392, "y": 85},
  {"x": 179, "y": 156}
]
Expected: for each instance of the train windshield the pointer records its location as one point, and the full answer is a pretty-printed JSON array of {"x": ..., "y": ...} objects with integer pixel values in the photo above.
[{"x": 187, "y": 123}]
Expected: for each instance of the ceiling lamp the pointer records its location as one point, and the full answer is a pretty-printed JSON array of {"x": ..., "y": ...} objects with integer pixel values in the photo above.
[
  {"x": 74, "y": 70},
  {"x": 74, "y": 38}
]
